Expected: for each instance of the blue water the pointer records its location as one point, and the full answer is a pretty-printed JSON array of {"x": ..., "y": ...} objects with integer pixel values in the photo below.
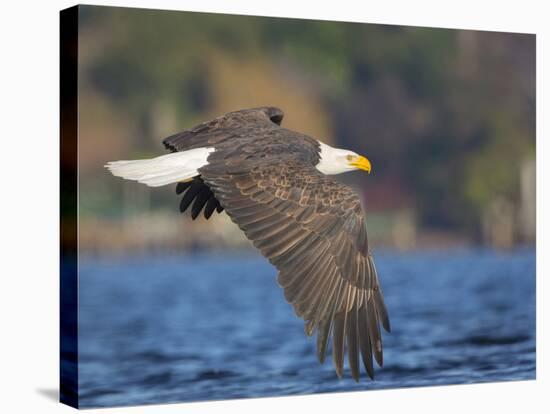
[{"x": 210, "y": 327}]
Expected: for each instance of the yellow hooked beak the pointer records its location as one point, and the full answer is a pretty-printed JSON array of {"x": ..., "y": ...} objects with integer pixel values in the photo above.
[{"x": 360, "y": 162}]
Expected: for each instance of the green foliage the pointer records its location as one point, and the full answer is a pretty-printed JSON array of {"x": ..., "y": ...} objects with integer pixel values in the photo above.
[{"x": 447, "y": 114}]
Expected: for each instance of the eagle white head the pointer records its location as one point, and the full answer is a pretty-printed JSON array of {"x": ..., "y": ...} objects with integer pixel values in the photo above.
[{"x": 337, "y": 160}]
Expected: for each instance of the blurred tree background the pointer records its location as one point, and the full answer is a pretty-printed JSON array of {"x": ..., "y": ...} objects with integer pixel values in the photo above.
[{"x": 447, "y": 117}]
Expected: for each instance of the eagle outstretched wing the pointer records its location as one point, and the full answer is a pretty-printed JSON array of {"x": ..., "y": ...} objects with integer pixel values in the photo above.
[{"x": 313, "y": 230}]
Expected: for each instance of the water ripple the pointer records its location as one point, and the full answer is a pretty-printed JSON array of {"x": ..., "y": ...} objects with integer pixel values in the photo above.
[{"x": 196, "y": 328}]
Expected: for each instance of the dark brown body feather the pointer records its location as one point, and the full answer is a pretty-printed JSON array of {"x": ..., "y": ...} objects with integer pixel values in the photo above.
[{"x": 309, "y": 226}]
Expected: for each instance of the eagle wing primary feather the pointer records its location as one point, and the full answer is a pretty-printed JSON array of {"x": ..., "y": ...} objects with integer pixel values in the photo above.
[{"x": 313, "y": 230}]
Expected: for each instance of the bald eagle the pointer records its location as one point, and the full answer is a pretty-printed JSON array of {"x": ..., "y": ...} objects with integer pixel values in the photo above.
[{"x": 275, "y": 184}]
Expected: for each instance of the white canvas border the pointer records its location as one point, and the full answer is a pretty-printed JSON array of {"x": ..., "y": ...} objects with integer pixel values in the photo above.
[{"x": 29, "y": 166}]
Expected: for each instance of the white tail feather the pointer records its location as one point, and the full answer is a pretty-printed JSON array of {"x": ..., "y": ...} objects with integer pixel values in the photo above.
[{"x": 163, "y": 170}]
